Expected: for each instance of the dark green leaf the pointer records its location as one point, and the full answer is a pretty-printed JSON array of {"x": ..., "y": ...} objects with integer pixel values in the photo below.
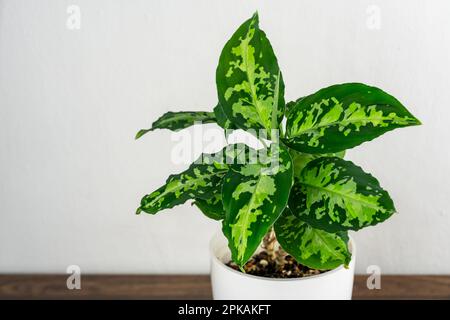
[
  {"x": 311, "y": 247},
  {"x": 199, "y": 181},
  {"x": 300, "y": 159},
  {"x": 222, "y": 119},
  {"x": 196, "y": 182},
  {"x": 176, "y": 121},
  {"x": 212, "y": 207},
  {"x": 333, "y": 194},
  {"x": 343, "y": 116},
  {"x": 291, "y": 104},
  {"x": 253, "y": 196},
  {"x": 249, "y": 82}
]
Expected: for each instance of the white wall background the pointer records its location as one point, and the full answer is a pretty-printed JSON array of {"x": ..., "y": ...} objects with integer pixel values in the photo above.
[{"x": 71, "y": 174}]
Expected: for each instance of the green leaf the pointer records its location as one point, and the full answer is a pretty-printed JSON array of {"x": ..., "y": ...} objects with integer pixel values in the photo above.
[
  {"x": 199, "y": 181},
  {"x": 176, "y": 121},
  {"x": 333, "y": 194},
  {"x": 343, "y": 116},
  {"x": 222, "y": 119},
  {"x": 291, "y": 104},
  {"x": 311, "y": 247},
  {"x": 253, "y": 196},
  {"x": 196, "y": 182},
  {"x": 212, "y": 207},
  {"x": 249, "y": 83},
  {"x": 300, "y": 159}
]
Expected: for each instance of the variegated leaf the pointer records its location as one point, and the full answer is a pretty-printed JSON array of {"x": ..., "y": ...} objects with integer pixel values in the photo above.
[
  {"x": 253, "y": 196},
  {"x": 343, "y": 116},
  {"x": 249, "y": 82},
  {"x": 221, "y": 118},
  {"x": 291, "y": 104},
  {"x": 196, "y": 182},
  {"x": 311, "y": 247},
  {"x": 333, "y": 194},
  {"x": 212, "y": 207},
  {"x": 300, "y": 160},
  {"x": 176, "y": 121},
  {"x": 201, "y": 180}
]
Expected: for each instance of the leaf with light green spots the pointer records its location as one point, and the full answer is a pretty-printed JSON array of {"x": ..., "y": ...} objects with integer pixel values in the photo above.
[
  {"x": 343, "y": 116},
  {"x": 222, "y": 119},
  {"x": 327, "y": 196},
  {"x": 176, "y": 121},
  {"x": 291, "y": 104},
  {"x": 212, "y": 207},
  {"x": 333, "y": 194},
  {"x": 199, "y": 181},
  {"x": 311, "y": 247},
  {"x": 300, "y": 160},
  {"x": 253, "y": 196},
  {"x": 196, "y": 182},
  {"x": 249, "y": 82}
]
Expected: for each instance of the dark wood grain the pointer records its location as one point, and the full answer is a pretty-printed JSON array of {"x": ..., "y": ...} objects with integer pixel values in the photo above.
[
  {"x": 404, "y": 287},
  {"x": 194, "y": 287}
]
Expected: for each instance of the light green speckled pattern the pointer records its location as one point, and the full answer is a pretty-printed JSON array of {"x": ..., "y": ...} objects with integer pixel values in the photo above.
[
  {"x": 298, "y": 182},
  {"x": 335, "y": 195},
  {"x": 176, "y": 121},
  {"x": 311, "y": 247},
  {"x": 202, "y": 180},
  {"x": 196, "y": 182},
  {"x": 300, "y": 160},
  {"x": 343, "y": 116},
  {"x": 253, "y": 197},
  {"x": 222, "y": 119},
  {"x": 212, "y": 207},
  {"x": 249, "y": 82}
]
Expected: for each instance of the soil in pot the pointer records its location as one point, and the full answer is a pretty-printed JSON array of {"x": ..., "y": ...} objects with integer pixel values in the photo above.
[
  {"x": 266, "y": 265},
  {"x": 273, "y": 262}
]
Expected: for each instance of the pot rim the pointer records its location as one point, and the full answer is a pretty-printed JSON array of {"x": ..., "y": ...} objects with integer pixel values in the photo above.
[{"x": 218, "y": 235}]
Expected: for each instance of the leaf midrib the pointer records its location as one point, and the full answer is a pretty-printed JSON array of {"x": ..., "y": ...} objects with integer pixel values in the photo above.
[
  {"x": 325, "y": 244},
  {"x": 248, "y": 211},
  {"x": 368, "y": 204},
  {"x": 202, "y": 116},
  {"x": 250, "y": 83},
  {"x": 345, "y": 122},
  {"x": 181, "y": 186}
]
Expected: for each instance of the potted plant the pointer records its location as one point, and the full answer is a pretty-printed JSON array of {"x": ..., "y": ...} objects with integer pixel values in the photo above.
[{"x": 285, "y": 209}]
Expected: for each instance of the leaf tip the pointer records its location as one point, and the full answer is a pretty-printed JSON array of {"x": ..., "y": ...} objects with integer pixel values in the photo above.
[
  {"x": 138, "y": 210},
  {"x": 255, "y": 16},
  {"x": 141, "y": 133}
]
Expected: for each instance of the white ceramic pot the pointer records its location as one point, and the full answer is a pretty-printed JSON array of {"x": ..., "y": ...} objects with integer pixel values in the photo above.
[{"x": 229, "y": 284}]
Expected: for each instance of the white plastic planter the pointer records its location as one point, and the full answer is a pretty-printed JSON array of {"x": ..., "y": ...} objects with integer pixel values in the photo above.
[{"x": 229, "y": 284}]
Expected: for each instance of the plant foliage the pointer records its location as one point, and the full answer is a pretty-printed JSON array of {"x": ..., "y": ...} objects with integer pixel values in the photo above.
[{"x": 300, "y": 184}]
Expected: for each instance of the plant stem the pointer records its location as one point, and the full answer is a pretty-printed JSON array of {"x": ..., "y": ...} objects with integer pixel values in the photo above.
[
  {"x": 280, "y": 255},
  {"x": 274, "y": 251},
  {"x": 269, "y": 242}
]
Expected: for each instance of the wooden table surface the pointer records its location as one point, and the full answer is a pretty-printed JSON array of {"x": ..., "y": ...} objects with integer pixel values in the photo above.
[{"x": 194, "y": 287}]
